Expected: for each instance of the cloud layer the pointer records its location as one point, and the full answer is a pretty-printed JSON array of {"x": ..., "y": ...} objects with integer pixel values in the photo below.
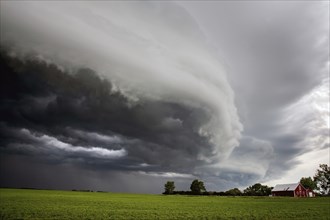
[
  {"x": 113, "y": 92},
  {"x": 278, "y": 54},
  {"x": 120, "y": 86}
]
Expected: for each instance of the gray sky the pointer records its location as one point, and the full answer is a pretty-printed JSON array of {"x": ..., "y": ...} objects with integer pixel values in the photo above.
[
  {"x": 125, "y": 96},
  {"x": 278, "y": 59}
]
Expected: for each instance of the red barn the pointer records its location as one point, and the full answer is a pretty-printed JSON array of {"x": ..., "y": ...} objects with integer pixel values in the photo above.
[{"x": 293, "y": 190}]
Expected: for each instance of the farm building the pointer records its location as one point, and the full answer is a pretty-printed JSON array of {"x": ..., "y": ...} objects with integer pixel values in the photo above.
[{"x": 293, "y": 190}]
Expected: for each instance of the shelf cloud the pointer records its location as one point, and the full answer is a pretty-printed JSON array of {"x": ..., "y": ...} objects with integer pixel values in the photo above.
[
  {"x": 132, "y": 81},
  {"x": 107, "y": 94}
]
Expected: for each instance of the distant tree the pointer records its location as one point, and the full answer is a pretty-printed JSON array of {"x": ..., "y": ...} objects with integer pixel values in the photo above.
[
  {"x": 234, "y": 192},
  {"x": 197, "y": 187},
  {"x": 169, "y": 187},
  {"x": 258, "y": 190},
  {"x": 322, "y": 179},
  {"x": 308, "y": 183}
]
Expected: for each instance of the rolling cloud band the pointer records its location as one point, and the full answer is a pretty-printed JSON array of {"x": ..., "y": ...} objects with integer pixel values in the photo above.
[{"x": 130, "y": 90}]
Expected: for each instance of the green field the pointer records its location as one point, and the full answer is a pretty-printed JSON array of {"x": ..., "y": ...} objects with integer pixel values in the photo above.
[{"x": 51, "y": 204}]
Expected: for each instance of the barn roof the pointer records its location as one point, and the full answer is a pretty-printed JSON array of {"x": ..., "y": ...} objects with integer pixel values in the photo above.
[{"x": 285, "y": 187}]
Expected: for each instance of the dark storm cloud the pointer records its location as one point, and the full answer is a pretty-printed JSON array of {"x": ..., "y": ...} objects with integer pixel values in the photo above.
[
  {"x": 129, "y": 88},
  {"x": 50, "y": 113},
  {"x": 56, "y": 117},
  {"x": 132, "y": 90}
]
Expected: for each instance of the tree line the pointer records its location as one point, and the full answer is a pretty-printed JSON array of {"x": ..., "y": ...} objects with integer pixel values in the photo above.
[
  {"x": 197, "y": 188},
  {"x": 319, "y": 183}
]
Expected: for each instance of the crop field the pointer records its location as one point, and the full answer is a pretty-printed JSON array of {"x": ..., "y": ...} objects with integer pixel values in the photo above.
[{"x": 52, "y": 204}]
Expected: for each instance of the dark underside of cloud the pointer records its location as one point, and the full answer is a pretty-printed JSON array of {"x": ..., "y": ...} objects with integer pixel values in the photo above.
[
  {"x": 143, "y": 101},
  {"x": 59, "y": 118},
  {"x": 55, "y": 115}
]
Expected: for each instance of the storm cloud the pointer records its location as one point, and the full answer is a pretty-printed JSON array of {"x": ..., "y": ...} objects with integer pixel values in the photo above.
[
  {"x": 47, "y": 110},
  {"x": 278, "y": 58},
  {"x": 116, "y": 86},
  {"x": 117, "y": 93}
]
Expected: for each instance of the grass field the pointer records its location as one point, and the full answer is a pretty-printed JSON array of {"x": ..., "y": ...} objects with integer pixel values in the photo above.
[{"x": 51, "y": 204}]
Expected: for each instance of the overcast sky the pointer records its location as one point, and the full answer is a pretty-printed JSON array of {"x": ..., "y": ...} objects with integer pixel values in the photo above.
[{"x": 124, "y": 96}]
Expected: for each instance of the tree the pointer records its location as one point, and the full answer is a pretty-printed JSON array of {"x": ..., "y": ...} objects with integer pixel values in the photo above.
[
  {"x": 197, "y": 187},
  {"x": 258, "y": 190},
  {"x": 322, "y": 179},
  {"x": 169, "y": 187},
  {"x": 308, "y": 183},
  {"x": 233, "y": 192}
]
